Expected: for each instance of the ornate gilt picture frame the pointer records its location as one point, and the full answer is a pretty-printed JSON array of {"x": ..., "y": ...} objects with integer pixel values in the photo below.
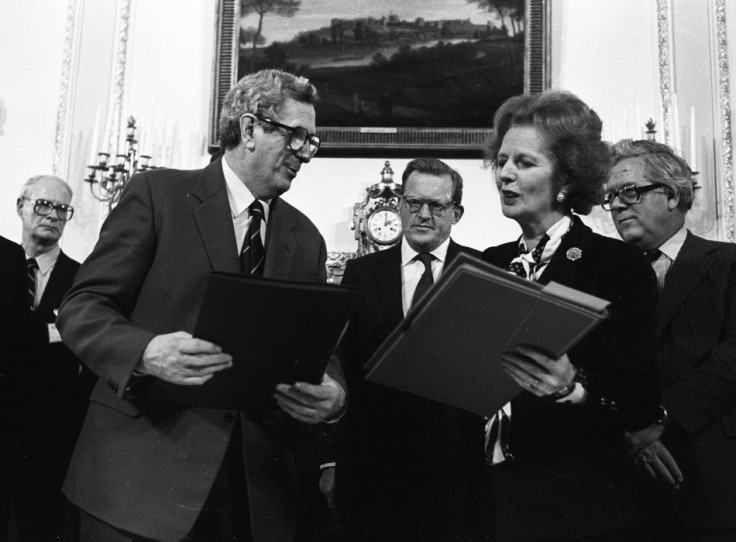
[{"x": 392, "y": 84}]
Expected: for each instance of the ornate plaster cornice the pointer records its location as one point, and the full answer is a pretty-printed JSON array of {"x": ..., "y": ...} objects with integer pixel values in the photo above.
[
  {"x": 724, "y": 108},
  {"x": 666, "y": 70},
  {"x": 66, "y": 75}
]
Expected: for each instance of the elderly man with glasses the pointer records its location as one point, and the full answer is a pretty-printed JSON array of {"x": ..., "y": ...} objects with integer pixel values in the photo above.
[
  {"x": 649, "y": 193},
  {"x": 48, "y": 391},
  {"x": 147, "y": 466}
]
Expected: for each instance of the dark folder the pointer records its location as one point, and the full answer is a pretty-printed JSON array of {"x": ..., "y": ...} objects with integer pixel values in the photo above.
[
  {"x": 277, "y": 332},
  {"x": 449, "y": 346}
]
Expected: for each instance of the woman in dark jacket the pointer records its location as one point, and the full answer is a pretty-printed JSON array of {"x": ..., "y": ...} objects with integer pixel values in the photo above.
[{"x": 555, "y": 454}]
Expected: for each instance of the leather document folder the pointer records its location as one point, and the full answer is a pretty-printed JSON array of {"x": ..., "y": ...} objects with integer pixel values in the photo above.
[
  {"x": 276, "y": 331},
  {"x": 449, "y": 346}
]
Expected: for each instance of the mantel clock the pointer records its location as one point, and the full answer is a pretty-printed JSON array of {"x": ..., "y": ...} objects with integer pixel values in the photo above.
[{"x": 376, "y": 219}]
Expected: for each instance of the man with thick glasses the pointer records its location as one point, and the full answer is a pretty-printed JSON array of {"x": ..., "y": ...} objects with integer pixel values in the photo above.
[
  {"x": 49, "y": 392},
  {"x": 147, "y": 466},
  {"x": 403, "y": 473},
  {"x": 649, "y": 193}
]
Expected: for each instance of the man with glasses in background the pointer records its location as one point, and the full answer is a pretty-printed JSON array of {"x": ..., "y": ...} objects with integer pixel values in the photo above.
[
  {"x": 147, "y": 467},
  {"x": 649, "y": 193},
  {"x": 48, "y": 389},
  {"x": 403, "y": 468}
]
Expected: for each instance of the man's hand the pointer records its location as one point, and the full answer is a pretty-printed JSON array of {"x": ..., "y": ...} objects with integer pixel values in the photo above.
[
  {"x": 311, "y": 403},
  {"x": 536, "y": 372},
  {"x": 181, "y": 359},
  {"x": 652, "y": 458}
]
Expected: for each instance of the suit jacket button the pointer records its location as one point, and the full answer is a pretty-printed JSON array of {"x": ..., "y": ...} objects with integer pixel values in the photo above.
[{"x": 229, "y": 417}]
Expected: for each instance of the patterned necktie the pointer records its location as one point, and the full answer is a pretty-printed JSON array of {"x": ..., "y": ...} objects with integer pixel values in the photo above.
[
  {"x": 517, "y": 266},
  {"x": 31, "y": 265},
  {"x": 653, "y": 258},
  {"x": 426, "y": 280},
  {"x": 253, "y": 255},
  {"x": 652, "y": 255}
]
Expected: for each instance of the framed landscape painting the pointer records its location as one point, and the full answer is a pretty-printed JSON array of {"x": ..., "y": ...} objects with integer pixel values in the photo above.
[{"x": 394, "y": 77}]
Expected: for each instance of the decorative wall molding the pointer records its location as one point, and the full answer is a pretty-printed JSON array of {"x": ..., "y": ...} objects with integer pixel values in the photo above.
[
  {"x": 117, "y": 89},
  {"x": 67, "y": 66},
  {"x": 666, "y": 65},
  {"x": 728, "y": 209}
]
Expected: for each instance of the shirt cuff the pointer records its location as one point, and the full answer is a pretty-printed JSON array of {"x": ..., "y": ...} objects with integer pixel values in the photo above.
[
  {"x": 54, "y": 336},
  {"x": 576, "y": 397}
]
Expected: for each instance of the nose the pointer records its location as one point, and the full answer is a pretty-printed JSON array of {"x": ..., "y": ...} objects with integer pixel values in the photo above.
[
  {"x": 507, "y": 173},
  {"x": 303, "y": 153},
  {"x": 424, "y": 212},
  {"x": 617, "y": 203}
]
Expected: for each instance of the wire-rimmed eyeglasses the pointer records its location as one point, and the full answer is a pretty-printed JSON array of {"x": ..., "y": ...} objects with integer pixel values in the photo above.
[
  {"x": 437, "y": 208},
  {"x": 44, "y": 207},
  {"x": 299, "y": 136},
  {"x": 629, "y": 194}
]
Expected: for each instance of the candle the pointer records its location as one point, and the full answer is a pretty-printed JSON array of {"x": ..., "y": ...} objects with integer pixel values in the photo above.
[
  {"x": 676, "y": 142},
  {"x": 638, "y": 118},
  {"x": 693, "y": 146},
  {"x": 95, "y": 137},
  {"x": 626, "y": 122}
]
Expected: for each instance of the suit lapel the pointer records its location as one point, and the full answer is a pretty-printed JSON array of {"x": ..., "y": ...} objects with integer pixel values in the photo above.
[
  {"x": 214, "y": 219},
  {"x": 567, "y": 264},
  {"x": 280, "y": 240},
  {"x": 691, "y": 264},
  {"x": 387, "y": 275}
]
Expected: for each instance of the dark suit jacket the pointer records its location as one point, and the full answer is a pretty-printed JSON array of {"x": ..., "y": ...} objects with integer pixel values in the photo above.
[
  {"x": 696, "y": 341},
  {"x": 14, "y": 300},
  {"x": 569, "y": 458},
  {"x": 402, "y": 471},
  {"x": 14, "y": 310},
  {"x": 143, "y": 462}
]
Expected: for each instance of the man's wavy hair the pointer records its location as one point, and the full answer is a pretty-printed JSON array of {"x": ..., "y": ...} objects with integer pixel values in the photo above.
[
  {"x": 263, "y": 93},
  {"x": 661, "y": 165}
]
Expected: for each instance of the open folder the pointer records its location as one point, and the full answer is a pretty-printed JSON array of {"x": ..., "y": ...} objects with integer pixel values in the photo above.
[
  {"x": 276, "y": 331},
  {"x": 449, "y": 346}
]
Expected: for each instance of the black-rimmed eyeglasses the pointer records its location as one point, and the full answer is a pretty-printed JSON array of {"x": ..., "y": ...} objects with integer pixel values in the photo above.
[
  {"x": 299, "y": 136},
  {"x": 437, "y": 208},
  {"x": 44, "y": 207},
  {"x": 629, "y": 194}
]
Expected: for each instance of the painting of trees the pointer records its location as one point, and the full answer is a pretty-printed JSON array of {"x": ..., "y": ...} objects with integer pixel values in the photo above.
[{"x": 283, "y": 8}]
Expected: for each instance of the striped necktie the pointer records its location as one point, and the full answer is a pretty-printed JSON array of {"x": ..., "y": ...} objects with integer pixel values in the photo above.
[
  {"x": 253, "y": 254},
  {"x": 32, "y": 266}
]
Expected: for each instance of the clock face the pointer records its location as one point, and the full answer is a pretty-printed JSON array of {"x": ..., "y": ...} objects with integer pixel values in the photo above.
[{"x": 384, "y": 225}]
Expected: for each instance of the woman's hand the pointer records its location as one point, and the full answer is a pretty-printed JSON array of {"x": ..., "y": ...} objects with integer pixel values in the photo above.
[{"x": 538, "y": 373}]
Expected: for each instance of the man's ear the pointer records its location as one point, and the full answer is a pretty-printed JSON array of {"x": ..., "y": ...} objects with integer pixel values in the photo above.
[
  {"x": 19, "y": 207},
  {"x": 457, "y": 213},
  {"x": 673, "y": 199},
  {"x": 247, "y": 125}
]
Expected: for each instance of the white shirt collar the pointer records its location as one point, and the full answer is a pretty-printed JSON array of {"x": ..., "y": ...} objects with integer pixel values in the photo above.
[
  {"x": 408, "y": 254},
  {"x": 238, "y": 194},
  {"x": 672, "y": 246},
  {"x": 555, "y": 234}
]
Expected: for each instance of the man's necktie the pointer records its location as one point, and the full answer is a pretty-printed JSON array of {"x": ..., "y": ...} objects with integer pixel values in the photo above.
[
  {"x": 517, "y": 266},
  {"x": 253, "y": 255},
  {"x": 427, "y": 279},
  {"x": 658, "y": 266},
  {"x": 31, "y": 265}
]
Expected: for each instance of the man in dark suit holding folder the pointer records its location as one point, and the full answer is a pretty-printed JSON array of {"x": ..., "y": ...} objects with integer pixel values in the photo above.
[
  {"x": 146, "y": 466},
  {"x": 649, "y": 192},
  {"x": 402, "y": 471}
]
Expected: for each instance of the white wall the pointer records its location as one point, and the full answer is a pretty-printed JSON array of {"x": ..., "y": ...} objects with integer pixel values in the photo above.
[{"x": 603, "y": 50}]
